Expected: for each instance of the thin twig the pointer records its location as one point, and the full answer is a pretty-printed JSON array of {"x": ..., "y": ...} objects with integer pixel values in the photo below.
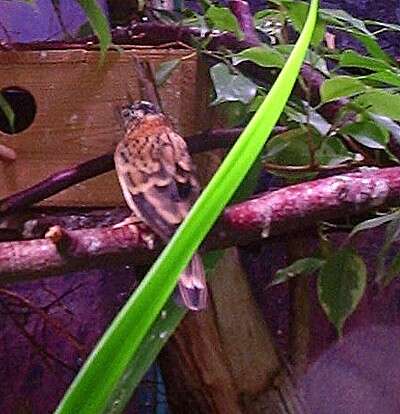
[{"x": 209, "y": 140}]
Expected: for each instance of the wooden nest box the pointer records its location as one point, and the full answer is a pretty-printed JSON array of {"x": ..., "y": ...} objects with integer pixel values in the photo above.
[{"x": 65, "y": 107}]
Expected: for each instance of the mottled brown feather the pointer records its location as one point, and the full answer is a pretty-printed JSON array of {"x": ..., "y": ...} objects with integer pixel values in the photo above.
[{"x": 158, "y": 181}]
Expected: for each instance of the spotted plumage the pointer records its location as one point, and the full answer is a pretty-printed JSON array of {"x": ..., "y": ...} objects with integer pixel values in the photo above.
[{"x": 158, "y": 181}]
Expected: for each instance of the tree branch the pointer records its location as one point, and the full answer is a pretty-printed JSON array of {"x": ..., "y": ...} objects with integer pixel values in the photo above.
[
  {"x": 242, "y": 12},
  {"x": 218, "y": 138},
  {"x": 286, "y": 210}
]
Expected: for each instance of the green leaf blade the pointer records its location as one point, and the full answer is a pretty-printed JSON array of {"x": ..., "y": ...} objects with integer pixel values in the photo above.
[
  {"x": 7, "y": 111},
  {"x": 223, "y": 19},
  {"x": 264, "y": 56},
  {"x": 231, "y": 87},
  {"x": 349, "y": 58},
  {"x": 99, "y": 377},
  {"x": 99, "y": 24},
  {"x": 381, "y": 103},
  {"x": 307, "y": 265},
  {"x": 367, "y": 133},
  {"x": 339, "y": 87},
  {"x": 341, "y": 284}
]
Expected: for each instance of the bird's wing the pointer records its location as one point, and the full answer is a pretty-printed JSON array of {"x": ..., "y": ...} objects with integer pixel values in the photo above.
[{"x": 157, "y": 177}]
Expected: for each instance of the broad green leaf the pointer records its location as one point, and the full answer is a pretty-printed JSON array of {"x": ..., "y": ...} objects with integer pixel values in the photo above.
[
  {"x": 393, "y": 270},
  {"x": 231, "y": 87},
  {"x": 389, "y": 26},
  {"x": 91, "y": 389},
  {"x": 308, "y": 265},
  {"x": 155, "y": 339},
  {"x": 312, "y": 58},
  {"x": 341, "y": 285},
  {"x": 291, "y": 147},
  {"x": 368, "y": 134},
  {"x": 262, "y": 56},
  {"x": 223, "y": 19},
  {"x": 297, "y": 12},
  {"x": 339, "y": 87},
  {"x": 164, "y": 71},
  {"x": 8, "y": 111},
  {"x": 342, "y": 16},
  {"x": 392, "y": 234},
  {"x": 99, "y": 24},
  {"x": 350, "y": 58},
  {"x": 386, "y": 76},
  {"x": 375, "y": 222},
  {"x": 333, "y": 152},
  {"x": 387, "y": 123},
  {"x": 233, "y": 113},
  {"x": 310, "y": 117},
  {"x": 381, "y": 103},
  {"x": 85, "y": 30},
  {"x": 372, "y": 47}
]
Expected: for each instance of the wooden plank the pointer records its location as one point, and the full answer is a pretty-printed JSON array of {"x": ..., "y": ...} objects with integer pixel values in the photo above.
[{"x": 75, "y": 119}]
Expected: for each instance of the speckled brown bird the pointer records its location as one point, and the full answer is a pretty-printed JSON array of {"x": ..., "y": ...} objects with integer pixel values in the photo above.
[{"x": 157, "y": 177}]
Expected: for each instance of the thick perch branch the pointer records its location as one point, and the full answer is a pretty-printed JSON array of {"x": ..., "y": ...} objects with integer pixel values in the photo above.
[{"x": 288, "y": 209}]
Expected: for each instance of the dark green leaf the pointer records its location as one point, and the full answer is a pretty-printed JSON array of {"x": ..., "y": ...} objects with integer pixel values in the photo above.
[
  {"x": 310, "y": 117},
  {"x": 341, "y": 285},
  {"x": 290, "y": 148},
  {"x": 340, "y": 86},
  {"x": 368, "y": 134},
  {"x": 164, "y": 71},
  {"x": 223, "y": 19},
  {"x": 85, "y": 30},
  {"x": 389, "y": 26},
  {"x": 262, "y": 55},
  {"x": 231, "y": 87},
  {"x": 314, "y": 59},
  {"x": 155, "y": 339},
  {"x": 297, "y": 13},
  {"x": 380, "y": 102},
  {"x": 99, "y": 23},
  {"x": 387, "y": 123},
  {"x": 350, "y": 58},
  {"x": 333, "y": 152},
  {"x": 372, "y": 47},
  {"x": 308, "y": 265},
  {"x": 386, "y": 76},
  {"x": 342, "y": 16},
  {"x": 8, "y": 111},
  {"x": 233, "y": 113},
  {"x": 375, "y": 222},
  {"x": 393, "y": 270},
  {"x": 392, "y": 234}
]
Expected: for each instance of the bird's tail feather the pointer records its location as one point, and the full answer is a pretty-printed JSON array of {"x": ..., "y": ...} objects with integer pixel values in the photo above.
[{"x": 192, "y": 286}]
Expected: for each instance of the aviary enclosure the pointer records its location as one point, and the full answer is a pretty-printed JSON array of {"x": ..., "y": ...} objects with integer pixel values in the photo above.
[{"x": 302, "y": 310}]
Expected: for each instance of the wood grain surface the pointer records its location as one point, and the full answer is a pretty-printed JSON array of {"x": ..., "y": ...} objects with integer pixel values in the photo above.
[{"x": 76, "y": 103}]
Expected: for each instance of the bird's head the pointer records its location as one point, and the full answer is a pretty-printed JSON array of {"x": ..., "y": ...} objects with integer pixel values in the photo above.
[{"x": 134, "y": 112}]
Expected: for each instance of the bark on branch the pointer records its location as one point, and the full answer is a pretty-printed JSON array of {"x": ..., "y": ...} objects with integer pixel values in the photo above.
[
  {"x": 209, "y": 140},
  {"x": 286, "y": 210}
]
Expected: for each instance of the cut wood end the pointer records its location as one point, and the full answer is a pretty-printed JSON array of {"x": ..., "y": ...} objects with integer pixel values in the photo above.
[
  {"x": 55, "y": 234},
  {"x": 7, "y": 154}
]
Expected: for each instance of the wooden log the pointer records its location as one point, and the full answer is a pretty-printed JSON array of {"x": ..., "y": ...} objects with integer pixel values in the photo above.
[{"x": 222, "y": 360}]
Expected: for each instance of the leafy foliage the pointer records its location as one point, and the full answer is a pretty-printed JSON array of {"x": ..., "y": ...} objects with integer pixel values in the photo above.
[
  {"x": 8, "y": 111},
  {"x": 91, "y": 390},
  {"x": 231, "y": 87},
  {"x": 341, "y": 285},
  {"x": 99, "y": 23},
  {"x": 306, "y": 266}
]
